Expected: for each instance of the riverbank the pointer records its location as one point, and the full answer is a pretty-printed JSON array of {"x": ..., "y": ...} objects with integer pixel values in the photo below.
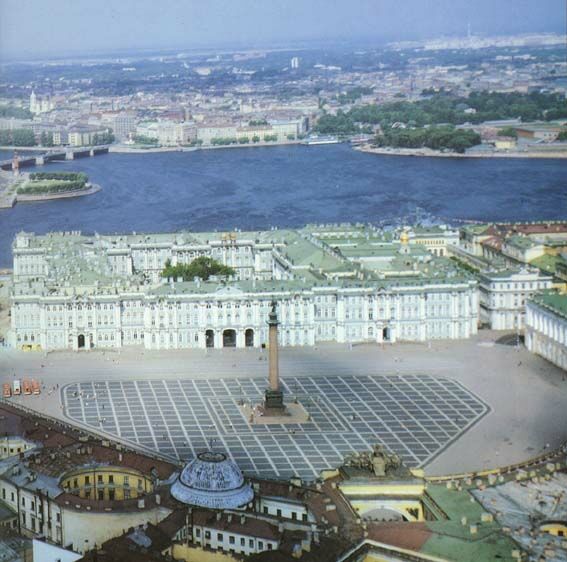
[
  {"x": 89, "y": 189},
  {"x": 428, "y": 152},
  {"x": 120, "y": 148},
  {"x": 8, "y": 147}
]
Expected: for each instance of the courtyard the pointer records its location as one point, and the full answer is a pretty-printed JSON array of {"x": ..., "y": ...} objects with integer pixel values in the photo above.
[{"x": 414, "y": 416}]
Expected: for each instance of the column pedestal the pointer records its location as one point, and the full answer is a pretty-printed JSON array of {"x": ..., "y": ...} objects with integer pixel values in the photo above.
[{"x": 273, "y": 402}]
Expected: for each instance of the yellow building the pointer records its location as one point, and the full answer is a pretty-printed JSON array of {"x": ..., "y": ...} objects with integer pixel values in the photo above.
[
  {"x": 387, "y": 500},
  {"x": 555, "y": 528},
  {"x": 505, "y": 144},
  {"x": 107, "y": 483}
]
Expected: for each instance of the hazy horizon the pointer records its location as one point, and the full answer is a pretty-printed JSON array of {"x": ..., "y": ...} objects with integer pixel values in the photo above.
[{"x": 61, "y": 28}]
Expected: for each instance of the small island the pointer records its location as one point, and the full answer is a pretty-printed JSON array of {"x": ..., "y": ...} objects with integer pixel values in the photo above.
[
  {"x": 43, "y": 186},
  {"x": 40, "y": 186}
]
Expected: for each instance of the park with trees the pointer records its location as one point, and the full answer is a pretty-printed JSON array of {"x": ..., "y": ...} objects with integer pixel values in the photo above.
[
  {"x": 436, "y": 138},
  {"x": 17, "y": 137},
  {"x": 403, "y": 122}
]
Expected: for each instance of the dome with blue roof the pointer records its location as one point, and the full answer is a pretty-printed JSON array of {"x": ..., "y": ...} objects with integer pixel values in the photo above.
[{"x": 214, "y": 481}]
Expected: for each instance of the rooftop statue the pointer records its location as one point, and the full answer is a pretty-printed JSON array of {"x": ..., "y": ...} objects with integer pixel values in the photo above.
[{"x": 378, "y": 461}]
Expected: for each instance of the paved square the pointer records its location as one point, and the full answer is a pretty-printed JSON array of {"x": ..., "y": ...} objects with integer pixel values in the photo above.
[{"x": 415, "y": 416}]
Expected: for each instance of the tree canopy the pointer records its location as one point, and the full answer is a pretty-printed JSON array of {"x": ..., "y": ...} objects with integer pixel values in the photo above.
[
  {"x": 436, "y": 138},
  {"x": 16, "y": 112},
  {"x": 444, "y": 108},
  {"x": 508, "y": 132},
  {"x": 17, "y": 137},
  {"x": 202, "y": 267}
]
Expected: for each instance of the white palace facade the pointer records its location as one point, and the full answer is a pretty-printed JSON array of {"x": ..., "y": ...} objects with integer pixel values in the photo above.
[
  {"x": 344, "y": 284},
  {"x": 546, "y": 327}
]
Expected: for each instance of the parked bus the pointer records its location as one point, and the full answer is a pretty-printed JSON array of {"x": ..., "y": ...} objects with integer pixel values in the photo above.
[
  {"x": 17, "y": 387},
  {"x": 27, "y": 386},
  {"x": 6, "y": 390},
  {"x": 35, "y": 387}
]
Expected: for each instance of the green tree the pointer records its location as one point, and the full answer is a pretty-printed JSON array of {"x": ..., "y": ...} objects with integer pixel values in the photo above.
[
  {"x": 23, "y": 137},
  {"x": 143, "y": 139},
  {"x": 508, "y": 132},
  {"x": 339, "y": 124},
  {"x": 255, "y": 138},
  {"x": 107, "y": 137},
  {"x": 202, "y": 267},
  {"x": 436, "y": 138},
  {"x": 562, "y": 136},
  {"x": 16, "y": 112}
]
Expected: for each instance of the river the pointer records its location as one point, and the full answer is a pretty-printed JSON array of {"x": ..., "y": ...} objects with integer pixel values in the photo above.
[{"x": 253, "y": 188}]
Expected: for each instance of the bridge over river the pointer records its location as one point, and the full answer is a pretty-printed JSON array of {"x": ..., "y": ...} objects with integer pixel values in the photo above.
[{"x": 54, "y": 155}]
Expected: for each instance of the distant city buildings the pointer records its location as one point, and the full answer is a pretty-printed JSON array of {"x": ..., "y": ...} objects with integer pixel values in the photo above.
[
  {"x": 42, "y": 104},
  {"x": 167, "y": 133},
  {"x": 85, "y": 136},
  {"x": 274, "y": 130},
  {"x": 253, "y": 111},
  {"x": 123, "y": 125}
]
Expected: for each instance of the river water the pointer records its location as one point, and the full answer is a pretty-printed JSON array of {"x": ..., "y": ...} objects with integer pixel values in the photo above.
[{"x": 258, "y": 187}]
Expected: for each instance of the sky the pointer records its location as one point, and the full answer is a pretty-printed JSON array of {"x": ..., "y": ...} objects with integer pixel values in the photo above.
[{"x": 61, "y": 27}]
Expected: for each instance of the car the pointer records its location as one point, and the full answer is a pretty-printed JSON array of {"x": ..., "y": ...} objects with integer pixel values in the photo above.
[{"x": 27, "y": 386}]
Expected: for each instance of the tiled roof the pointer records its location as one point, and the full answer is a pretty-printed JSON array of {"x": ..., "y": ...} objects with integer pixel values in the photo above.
[
  {"x": 411, "y": 536},
  {"x": 241, "y": 524}
]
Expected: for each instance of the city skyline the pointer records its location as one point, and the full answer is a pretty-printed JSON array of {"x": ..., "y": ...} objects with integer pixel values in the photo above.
[{"x": 184, "y": 25}]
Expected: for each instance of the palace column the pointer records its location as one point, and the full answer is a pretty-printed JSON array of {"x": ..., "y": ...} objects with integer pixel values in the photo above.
[
  {"x": 274, "y": 369},
  {"x": 273, "y": 402}
]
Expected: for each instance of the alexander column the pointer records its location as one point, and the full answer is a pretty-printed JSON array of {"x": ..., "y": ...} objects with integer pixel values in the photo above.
[{"x": 273, "y": 402}]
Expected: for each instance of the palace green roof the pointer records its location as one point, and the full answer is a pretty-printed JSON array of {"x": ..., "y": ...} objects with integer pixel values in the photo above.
[
  {"x": 475, "y": 228},
  {"x": 79, "y": 264},
  {"x": 520, "y": 242},
  {"x": 453, "y": 540},
  {"x": 555, "y": 302},
  {"x": 548, "y": 262}
]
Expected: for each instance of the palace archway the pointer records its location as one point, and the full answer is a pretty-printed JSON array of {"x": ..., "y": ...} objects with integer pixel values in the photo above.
[
  {"x": 249, "y": 338},
  {"x": 229, "y": 338},
  {"x": 210, "y": 338}
]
